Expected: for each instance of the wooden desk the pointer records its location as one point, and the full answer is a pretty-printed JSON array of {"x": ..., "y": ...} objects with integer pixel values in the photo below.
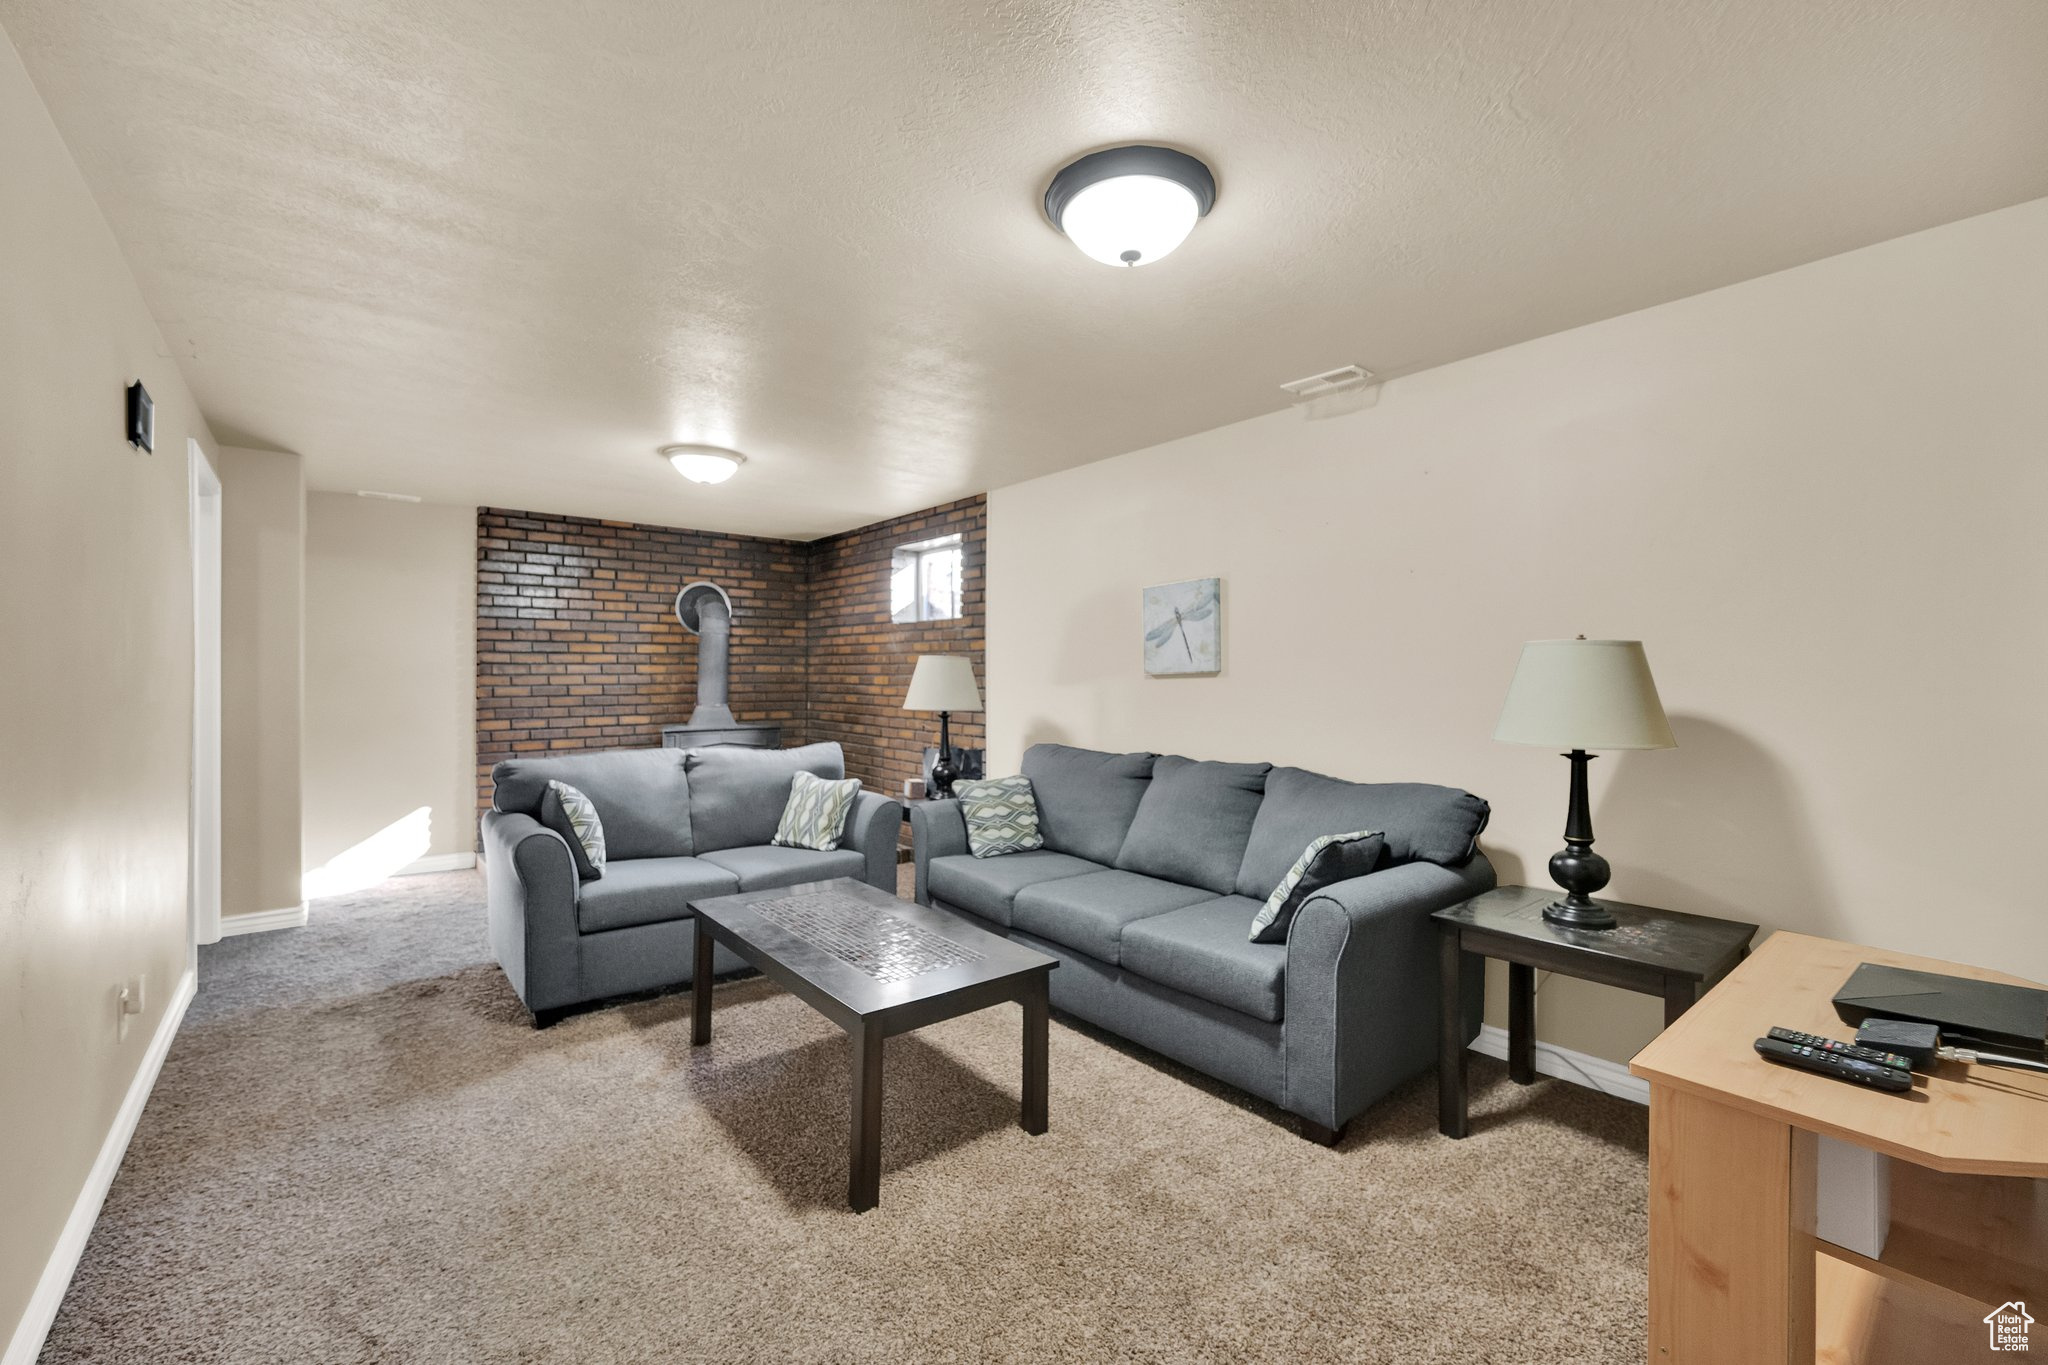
[{"x": 1737, "y": 1276}]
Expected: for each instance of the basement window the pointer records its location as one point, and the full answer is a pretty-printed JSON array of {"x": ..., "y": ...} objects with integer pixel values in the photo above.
[{"x": 924, "y": 581}]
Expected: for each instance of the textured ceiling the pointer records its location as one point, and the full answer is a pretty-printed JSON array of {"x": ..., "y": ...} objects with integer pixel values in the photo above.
[{"x": 497, "y": 251}]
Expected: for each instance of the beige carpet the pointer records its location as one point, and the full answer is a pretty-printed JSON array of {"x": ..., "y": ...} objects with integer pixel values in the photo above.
[{"x": 336, "y": 1170}]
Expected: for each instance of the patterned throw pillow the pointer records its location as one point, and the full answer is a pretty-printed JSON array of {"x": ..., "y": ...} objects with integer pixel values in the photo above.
[
  {"x": 1002, "y": 816},
  {"x": 1331, "y": 858},
  {"x": 816, "y": 814},
  {"x": 568, "y": 812}
]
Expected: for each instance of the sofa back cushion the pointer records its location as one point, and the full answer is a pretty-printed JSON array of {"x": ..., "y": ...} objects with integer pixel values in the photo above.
[
  {"x": 1086, "y": 799},
  {"x": 1195, "y": 822},
  {"x": 1421, "y": 822},
  {"x": 642, "y": 796},
  {"x": 738, "y": 794}
]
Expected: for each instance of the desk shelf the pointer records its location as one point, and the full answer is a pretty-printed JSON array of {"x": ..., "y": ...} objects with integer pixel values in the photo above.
[
  {"x": 1863, "y": 1318},
  {"x": 1980, "y": 1239}
]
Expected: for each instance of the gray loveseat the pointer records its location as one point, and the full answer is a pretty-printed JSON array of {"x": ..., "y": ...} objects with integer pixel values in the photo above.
[
  {"x": 678, "y": 824},
  {"x": 1152, "y": 870}
]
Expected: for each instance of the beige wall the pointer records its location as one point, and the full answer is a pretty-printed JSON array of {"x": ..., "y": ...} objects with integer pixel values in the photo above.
[
  {"x": 263, "y": 603},
  {"x": 390, "y": 674},
  {"x": 1817, "y": 497},
  {"x": 95, "y": 684}
]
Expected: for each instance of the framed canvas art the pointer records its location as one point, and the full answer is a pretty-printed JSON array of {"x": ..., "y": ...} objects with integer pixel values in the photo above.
[{"x": 1184, "y": 628}]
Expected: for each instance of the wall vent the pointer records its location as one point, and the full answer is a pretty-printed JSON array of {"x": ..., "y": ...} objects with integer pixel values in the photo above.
[{"x": 1329, "y": 381}]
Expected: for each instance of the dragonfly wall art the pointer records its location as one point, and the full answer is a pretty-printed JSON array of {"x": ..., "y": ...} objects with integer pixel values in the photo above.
[{"x": 1184, "y": 627}]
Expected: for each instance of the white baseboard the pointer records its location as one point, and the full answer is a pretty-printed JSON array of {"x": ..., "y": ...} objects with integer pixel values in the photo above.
[
  {"x": 34, "y": 1327},
  {"x": 290, "y": 917},
  {"x": 1580, "y": 1068},
  {"x": 437, "y": 862}
]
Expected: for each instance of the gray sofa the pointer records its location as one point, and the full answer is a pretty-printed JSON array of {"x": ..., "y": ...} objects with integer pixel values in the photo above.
[
  {"x": 1152, "y": 870},
  {"x": 678, "y": 824}
]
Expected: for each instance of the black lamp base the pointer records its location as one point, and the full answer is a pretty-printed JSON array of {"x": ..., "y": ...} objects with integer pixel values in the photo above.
[
  {"x": 1588, "y": 914},
  {"x": 945, "y": 772},
  {"x": 1576, "y": 867}
]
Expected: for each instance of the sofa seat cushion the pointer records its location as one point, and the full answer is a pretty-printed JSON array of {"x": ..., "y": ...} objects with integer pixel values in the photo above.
[
  {"x": 648, "y": 891},
  {"x": 767, "y": 865},
  {"x": 1203, "y": 951},
  {"x": 1086, "y": 798},
  {"x": 1088, "y": 913},
  {"x": 1421, "y": 822},
  {"x": 642, "y": 795},
  {"x": 987, "y": 886},
  {"x": 1194, "y": 823}
]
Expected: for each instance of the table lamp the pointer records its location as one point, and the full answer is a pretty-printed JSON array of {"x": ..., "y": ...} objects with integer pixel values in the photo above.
[
  {"x": 1579, "y": 695},
  {"x": 943, "y": 683}
]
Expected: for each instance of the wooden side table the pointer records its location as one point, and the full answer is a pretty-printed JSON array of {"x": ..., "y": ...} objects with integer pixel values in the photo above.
[{"x": 1664, "y": 953}]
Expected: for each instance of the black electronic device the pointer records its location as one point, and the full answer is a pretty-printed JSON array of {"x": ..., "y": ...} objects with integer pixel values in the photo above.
[
  {"x": 1834, "y": 1064},
  {"x": 1842, "y": 1049},
  {"x": 141, "y": 418},
  {"x": 1916, "y": 1042},
  {"x": 2014, "y": 1017}
]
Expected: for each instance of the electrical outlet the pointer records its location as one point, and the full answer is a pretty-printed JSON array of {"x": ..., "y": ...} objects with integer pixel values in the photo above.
[{"x": 128, "y": 1002}]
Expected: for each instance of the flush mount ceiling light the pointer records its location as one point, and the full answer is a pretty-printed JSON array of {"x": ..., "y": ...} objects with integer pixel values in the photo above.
[
  {"x": 1130, "y": 205},
  {"x": 704, "y": 464}
]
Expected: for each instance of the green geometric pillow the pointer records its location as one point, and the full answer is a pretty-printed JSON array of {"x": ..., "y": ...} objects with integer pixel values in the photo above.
[
  {"x": 1002, "y": 816},
  {"x": 1330, "y": 858},
  {"x": 816, "y": 814},
  {"x": 568, "y": 812}
]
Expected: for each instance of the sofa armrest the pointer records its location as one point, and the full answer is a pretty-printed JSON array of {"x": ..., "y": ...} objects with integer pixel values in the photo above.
[
  {"x": 873, "y": 827},
  {"x": 1362, "y": 984},
  {"x": 938, "y": 829},
  {"x": 530, "y": 895}
]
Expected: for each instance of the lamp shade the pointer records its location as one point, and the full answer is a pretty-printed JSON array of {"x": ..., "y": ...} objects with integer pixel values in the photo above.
[
  {"x": 943, "y": 682},
  {"x": 1584, "y": 694}
]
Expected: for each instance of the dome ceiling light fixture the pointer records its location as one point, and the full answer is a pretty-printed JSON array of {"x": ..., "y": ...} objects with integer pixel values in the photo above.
[
  {"x": 704, "y": 464},
  {"x": 1130, "y": 205}
]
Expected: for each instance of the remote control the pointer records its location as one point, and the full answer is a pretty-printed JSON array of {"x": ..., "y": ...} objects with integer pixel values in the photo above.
[
  {"x": 1852, "y": 1051},
  {"x": 1833, "y": 1064}
]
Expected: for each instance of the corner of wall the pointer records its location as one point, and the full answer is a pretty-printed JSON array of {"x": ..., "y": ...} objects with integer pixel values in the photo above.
[{"x": 263, "y": 605}]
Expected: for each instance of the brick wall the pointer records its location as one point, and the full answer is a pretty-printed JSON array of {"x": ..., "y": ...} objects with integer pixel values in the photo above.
[
  {"x": 578, "y": 645},
  {"x": 861, "y": 661}
]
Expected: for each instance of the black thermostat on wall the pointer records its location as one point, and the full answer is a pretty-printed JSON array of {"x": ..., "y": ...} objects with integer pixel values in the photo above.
[{"x": 141, "y": 418}]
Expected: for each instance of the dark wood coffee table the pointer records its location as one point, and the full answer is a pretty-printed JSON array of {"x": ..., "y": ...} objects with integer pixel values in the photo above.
[{"x": 876, "y": 966}]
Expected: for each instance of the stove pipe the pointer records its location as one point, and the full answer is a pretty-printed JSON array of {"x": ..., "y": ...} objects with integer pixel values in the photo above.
[{"x": 714, "y": 640}]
